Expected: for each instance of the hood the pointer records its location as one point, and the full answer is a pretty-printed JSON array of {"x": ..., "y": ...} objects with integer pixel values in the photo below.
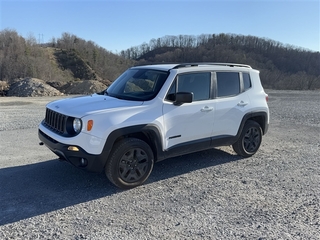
[{"x": 81, "y": 106}]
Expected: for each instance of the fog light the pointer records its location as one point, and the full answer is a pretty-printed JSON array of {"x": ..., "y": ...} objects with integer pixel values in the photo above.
[
  {"x": 83, "y": 162},
  {"x": 73, "y": 148}
]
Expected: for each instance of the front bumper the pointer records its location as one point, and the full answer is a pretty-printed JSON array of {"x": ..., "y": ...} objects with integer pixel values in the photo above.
[{"x": 80, "y": 158}]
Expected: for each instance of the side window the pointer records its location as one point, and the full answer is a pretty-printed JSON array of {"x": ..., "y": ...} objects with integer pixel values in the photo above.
[
  {"x": 246, "y": 81},
  {"x": 228, "y": 84},
  {"x": 197, "y": 83}
]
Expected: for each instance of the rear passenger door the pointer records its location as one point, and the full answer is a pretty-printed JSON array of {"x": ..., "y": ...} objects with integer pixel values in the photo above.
[{"x": 231, "y": 102}]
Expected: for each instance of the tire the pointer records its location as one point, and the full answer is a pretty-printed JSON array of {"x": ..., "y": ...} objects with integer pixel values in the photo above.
[
  {"x": 249, "y": 140},
  {"x": 130, "y": 163}
]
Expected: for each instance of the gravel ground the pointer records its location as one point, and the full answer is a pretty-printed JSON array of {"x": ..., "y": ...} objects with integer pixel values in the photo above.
[{"x": 213, "y": 194}]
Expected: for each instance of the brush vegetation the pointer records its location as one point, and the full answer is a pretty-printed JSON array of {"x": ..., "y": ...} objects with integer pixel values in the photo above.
[{"x": 70, "y": 58}]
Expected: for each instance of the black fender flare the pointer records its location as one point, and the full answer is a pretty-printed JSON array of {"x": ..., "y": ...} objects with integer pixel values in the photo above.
[
  {"x": 150, "y": 132},
  {"x": 259, "y": 116}
]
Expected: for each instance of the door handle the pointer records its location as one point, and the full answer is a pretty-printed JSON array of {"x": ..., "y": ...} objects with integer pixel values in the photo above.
[
  {"x": 206, "y": 109},
  {"x": 242, "y": 104}
]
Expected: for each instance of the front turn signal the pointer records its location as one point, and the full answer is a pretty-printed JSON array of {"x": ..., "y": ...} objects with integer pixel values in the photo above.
[
  {"x": 89, "y": 125},
  {"x": 73, "y": 148}
]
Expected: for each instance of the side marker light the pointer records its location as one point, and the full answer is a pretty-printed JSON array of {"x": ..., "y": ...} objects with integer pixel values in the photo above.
[{"x": 89, "y": 125}]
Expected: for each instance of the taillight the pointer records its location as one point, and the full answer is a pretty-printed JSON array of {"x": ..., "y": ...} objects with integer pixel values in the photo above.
[{"x": 267, "y": 97}]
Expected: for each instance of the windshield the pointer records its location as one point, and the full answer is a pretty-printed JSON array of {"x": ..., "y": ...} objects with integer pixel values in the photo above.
[{"x": 137, "y": 84}]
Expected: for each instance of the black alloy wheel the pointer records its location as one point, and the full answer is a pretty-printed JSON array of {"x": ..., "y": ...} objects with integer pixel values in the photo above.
[
  {"x": 130, "y": 163},
  {"x": 250, "y": 139}
]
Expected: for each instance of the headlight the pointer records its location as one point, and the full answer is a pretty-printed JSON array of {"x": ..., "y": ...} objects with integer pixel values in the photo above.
[{"x": 77, "y": 125}]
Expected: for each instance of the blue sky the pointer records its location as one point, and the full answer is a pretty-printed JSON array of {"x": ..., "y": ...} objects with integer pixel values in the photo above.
[{"x": 120, "y": 24}]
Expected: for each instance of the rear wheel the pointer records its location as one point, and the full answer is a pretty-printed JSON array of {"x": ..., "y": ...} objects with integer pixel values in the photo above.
[
  {"x": 130, "y": 163},
  {"x": 249, "y": 140}
]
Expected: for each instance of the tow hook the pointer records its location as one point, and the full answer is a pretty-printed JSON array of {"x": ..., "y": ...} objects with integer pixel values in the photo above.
[{"x": 41, "y": 143}]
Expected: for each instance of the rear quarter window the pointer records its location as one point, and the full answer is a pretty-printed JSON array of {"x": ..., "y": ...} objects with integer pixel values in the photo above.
[{"x": 246, "y": 81}]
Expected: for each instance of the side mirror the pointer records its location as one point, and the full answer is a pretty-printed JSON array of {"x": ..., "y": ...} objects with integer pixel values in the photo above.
[{"x": 183, "y": 97}]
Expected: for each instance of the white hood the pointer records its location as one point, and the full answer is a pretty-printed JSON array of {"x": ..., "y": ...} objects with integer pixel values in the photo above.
[{"x": 81, "y": 106}]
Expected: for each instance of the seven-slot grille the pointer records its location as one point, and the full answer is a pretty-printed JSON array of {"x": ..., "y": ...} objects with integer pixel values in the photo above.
[{"x": 55, "y": 121}]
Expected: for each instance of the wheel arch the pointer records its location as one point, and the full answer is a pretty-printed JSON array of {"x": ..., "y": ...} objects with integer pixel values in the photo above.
[
  {"x": 149, "y": 133},
  {"x": 262, "y": 121},
  {"x": 260, "y": 117}
]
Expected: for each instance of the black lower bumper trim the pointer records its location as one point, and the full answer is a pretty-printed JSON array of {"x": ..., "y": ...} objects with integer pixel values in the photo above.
[{"x": 93, "y": 163}]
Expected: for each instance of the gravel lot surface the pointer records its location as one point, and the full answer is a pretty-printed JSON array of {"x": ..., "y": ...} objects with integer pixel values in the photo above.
[{"x": 213, "y": 194}]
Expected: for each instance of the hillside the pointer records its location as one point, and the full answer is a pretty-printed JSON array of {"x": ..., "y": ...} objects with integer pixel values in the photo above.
[
  {"x": 281, "y": 66},
  {"x": 69, "y": 59},
  {"x": 65, "y": 63},
  {"x": 76, "y": 77}
]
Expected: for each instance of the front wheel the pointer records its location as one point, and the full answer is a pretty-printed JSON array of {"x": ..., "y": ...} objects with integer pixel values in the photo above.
[
  {"x": 249, "y": 140},
  {"x": 130, "y": 163}
]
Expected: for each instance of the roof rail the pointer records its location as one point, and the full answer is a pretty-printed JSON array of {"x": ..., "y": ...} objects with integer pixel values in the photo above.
[
  {"x": 155, "y": 63},
  {"x": 182, "y": 65}
]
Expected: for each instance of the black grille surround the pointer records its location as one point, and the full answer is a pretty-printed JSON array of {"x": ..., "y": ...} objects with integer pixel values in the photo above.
[
  {"x": 55, "y": 121},
  {"x": 59, "y": 123}
]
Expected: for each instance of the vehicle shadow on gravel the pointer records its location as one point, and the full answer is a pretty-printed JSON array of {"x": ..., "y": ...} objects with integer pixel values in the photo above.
[
  {"x": 191, "y": 162},
  {"x": 35, "y": 189}
]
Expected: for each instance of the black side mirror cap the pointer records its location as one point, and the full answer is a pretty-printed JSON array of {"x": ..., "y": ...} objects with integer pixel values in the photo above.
[{"x": 183, "y": 97}]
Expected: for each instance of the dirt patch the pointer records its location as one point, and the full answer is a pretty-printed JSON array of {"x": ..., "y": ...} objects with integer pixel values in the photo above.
[{"x": 17, "y": 103}]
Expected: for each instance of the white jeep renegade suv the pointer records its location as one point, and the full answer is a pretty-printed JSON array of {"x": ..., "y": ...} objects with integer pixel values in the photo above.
[{"x": 155, "y": 112}]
